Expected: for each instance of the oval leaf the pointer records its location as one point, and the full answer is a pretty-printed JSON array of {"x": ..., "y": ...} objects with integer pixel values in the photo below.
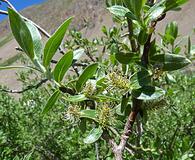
[
  {"x": 37, "y": 39},
  {"x": 51, "y": 101},
  {"x": 54, "y": 42},
  {"x": 62, "y": 66},
  {"x": 21, "y": 32},
  {"x": 148, "y": 93},
  {"x": 118, "y": 10},
  {"x": 89, "y": 113},
  {"x": 94, "y": 135},
  {"x": 87, "y": 74},
  {"x": 124, "y": 58},
  {"x": 155, "y": 12},
  {"x": 170, "y": 62}
]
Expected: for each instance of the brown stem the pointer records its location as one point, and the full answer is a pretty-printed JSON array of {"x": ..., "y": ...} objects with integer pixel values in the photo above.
[
  {"x": 144, "y": 58},
  {"x": 129, "y": 124},
  {"x": 26, "y": 89}
]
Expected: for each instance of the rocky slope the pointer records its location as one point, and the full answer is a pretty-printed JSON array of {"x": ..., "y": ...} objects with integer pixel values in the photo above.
[{"x": 87, "y": 13}]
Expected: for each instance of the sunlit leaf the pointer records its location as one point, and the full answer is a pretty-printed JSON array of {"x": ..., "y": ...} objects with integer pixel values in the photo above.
[
  {"x": 94, "y": 135},
  {"x": 118, "y": 10},
  {"x": 148, "y": 93},
  {"x": 89, "y": 113},
  {"x": 54, "y": 42},
  {"x": 170, "y": 62},
  {"x": 62, "y": 66},
  {"x": 21, "y": 32},
  {"x": 52, "y": 100},
  {"x": 87, "y": 74},
  {"x": 154, "y": 13},
  {"x": 37, "y": 39}
]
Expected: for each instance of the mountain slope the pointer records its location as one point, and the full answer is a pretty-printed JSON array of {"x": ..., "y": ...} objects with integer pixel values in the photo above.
[
  {"x": 52, "y": 13},
  {"x": 90, "y": 13}
]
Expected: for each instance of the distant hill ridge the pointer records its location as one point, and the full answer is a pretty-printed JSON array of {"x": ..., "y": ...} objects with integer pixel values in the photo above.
[{"x": 52, "y": 13}]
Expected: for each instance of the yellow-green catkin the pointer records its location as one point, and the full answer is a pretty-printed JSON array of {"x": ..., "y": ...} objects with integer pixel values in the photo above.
[
  {"x": 105, "y": 115},
  {"x": 89, "y": 89},
  {"x": 118, "y": 81},
  {"x": 73, "y": 114}
]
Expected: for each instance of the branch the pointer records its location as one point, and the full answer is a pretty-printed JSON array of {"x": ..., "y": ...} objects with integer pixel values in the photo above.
[
  {"x": 111, "y": 142},
  {"x": 129, "y": 124},
  {"x": 3, "y": 12},
  {"x": 9, "y": 4},
  {"x": 26, "y": 89}
]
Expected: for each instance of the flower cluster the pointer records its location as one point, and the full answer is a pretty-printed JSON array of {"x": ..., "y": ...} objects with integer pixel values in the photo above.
[
  {"x": 105, "y": 115},
  {"x": 89, "y": 89},
  {"x": 118, "y": 81},
  {"x": 73, "y": 114}
]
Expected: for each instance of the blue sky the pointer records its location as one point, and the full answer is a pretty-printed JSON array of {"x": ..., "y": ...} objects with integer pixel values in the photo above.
[{"x": 19, "y": 5}]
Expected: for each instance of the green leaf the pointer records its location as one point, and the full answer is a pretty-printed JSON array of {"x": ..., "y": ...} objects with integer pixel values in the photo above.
[
  {"x": 51, "y": 101},
  {"x": 143, "y": 37},
  {"x": 87, "y": 74},
  {"x": 119, "y": 11},
  {"x": 170, "y": 78},
  {"x": 54, "y": 42},
  {"x": 135, "y": 6},
  {"x": 124, "y": 103},
  {"x": 78, "y": 54},
  {"x": 37, "y": 39},
  {"x": 124, "y": 58},
  {"x": 169, "y": 62},
  {"x": 142, "y": 78},
  {"x": 62, "y": 66},
  {"x": 131, "y": 16},
  {"x": 155, "y": 12},
  {"x": 75, "y": 98},
  {"x": 171, "y": 32},
  {"x": 21, "y": 32},
  {"x": 94, "y": 135},
  {"x": 148, "y": 93},
  {"x": 173, "y": 4},
  {"x": 83, "y": 125},
  {"x": 89, "y": 113}
]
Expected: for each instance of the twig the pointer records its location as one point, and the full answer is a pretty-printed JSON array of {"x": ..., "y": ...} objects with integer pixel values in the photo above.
[
  {"x": 97, "y": 151},
  {"x": 129, "y": 124},
  {"x": 26, "y": 89},
  {"x": 9, "y": 4},
  {"x": 90, "y": 57},
  {"x": 3, "y": 12}
]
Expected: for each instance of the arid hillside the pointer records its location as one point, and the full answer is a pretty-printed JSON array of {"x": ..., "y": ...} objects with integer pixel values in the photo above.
[{"x": 89, "y": 16}]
